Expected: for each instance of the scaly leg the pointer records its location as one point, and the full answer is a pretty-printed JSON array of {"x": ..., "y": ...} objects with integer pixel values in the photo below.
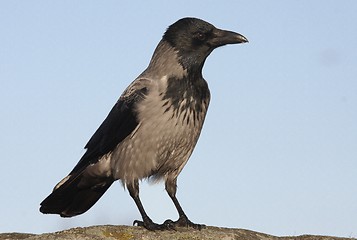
[
  {"x": 147, "y": 222},
  {"x": 183, "y": 220}
]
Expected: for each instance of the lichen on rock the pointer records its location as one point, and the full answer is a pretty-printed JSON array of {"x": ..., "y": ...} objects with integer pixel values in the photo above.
[{"x": 110, "y": 232}]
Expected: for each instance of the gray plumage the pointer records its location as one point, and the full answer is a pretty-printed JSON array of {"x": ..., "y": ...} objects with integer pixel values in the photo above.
[{"x": 152, "y": 129}]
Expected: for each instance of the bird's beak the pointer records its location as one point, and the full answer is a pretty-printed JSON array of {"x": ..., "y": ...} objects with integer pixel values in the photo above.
[{"x": 223, "y": 37}]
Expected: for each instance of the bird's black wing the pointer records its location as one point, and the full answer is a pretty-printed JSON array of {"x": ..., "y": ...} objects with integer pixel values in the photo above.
[
  {"x": 76, "y": 193},
  {"x": 120, "y": 122}
]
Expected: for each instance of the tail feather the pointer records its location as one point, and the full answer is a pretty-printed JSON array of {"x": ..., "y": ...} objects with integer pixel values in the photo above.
[{"x": 74, "y": 195}]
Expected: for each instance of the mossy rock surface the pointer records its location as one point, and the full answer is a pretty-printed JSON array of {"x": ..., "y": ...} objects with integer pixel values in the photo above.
[{"x": 110, "y": 232}]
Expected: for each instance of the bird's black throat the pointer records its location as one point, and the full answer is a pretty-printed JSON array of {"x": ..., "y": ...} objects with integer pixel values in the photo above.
[{"x": 188, "y": 94}]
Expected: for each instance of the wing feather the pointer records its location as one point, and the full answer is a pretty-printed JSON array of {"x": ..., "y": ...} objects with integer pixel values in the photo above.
[{"x": 120, "y": 122}]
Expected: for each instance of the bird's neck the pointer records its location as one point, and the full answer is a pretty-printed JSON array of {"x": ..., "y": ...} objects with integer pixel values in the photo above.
[
  {"x": 167, "y": 61},
  {"x": 164, "y": 62},
  {"x": 184, "y": 85}
]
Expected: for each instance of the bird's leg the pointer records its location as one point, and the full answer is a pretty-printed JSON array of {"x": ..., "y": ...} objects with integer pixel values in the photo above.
[
  {"x": 147, "y": 222},
  {"x": 183, "y": 220}
]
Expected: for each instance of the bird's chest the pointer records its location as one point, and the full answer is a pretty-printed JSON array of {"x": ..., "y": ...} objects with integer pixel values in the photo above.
[{"x": 174, "y": 116}]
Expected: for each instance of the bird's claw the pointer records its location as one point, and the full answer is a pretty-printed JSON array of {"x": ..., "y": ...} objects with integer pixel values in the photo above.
[
  {"x": 168, "y": 224},
  {"x": 150, "y": 225},
  {"x": 183, "y": 221},
  {"x": 138, "y": 223}
]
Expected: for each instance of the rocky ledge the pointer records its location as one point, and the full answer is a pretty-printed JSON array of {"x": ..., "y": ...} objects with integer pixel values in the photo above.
[{"x": 132, "y": 233}]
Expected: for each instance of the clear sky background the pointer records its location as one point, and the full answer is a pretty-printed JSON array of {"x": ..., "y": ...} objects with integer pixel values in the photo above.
[{"x": 278, "y": 152}]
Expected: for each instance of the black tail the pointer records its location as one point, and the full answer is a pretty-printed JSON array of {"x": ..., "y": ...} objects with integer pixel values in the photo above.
[{"x": 75, "y": 194}]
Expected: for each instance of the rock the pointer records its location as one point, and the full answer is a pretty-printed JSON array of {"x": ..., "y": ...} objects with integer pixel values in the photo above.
[{"x": 109, "y": 232}]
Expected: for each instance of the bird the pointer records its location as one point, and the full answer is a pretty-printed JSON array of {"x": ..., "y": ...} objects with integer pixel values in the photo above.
[{"x": 152, "y": 129}]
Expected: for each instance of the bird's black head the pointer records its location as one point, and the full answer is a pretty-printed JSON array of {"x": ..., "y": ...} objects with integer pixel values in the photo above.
[{"x": 194, "y": 39}]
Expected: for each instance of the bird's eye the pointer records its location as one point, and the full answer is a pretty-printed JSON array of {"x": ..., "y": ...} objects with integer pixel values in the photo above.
[{"x": 200, "y": 36}]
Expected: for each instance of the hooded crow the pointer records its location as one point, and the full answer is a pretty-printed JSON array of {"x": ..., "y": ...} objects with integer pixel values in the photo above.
[{"x": 152, "y": 129}]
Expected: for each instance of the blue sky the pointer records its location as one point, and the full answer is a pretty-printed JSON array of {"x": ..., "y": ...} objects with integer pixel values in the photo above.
[{"x": 278, "y": 152}]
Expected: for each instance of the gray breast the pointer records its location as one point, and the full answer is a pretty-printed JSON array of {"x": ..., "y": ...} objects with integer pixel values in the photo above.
[{"x": 163, "y": 141}]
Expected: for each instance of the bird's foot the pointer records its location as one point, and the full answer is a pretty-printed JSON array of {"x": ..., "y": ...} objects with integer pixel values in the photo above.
[
  {"x": 183, "y": 221},
  {"x": 151, "y": 226}
]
